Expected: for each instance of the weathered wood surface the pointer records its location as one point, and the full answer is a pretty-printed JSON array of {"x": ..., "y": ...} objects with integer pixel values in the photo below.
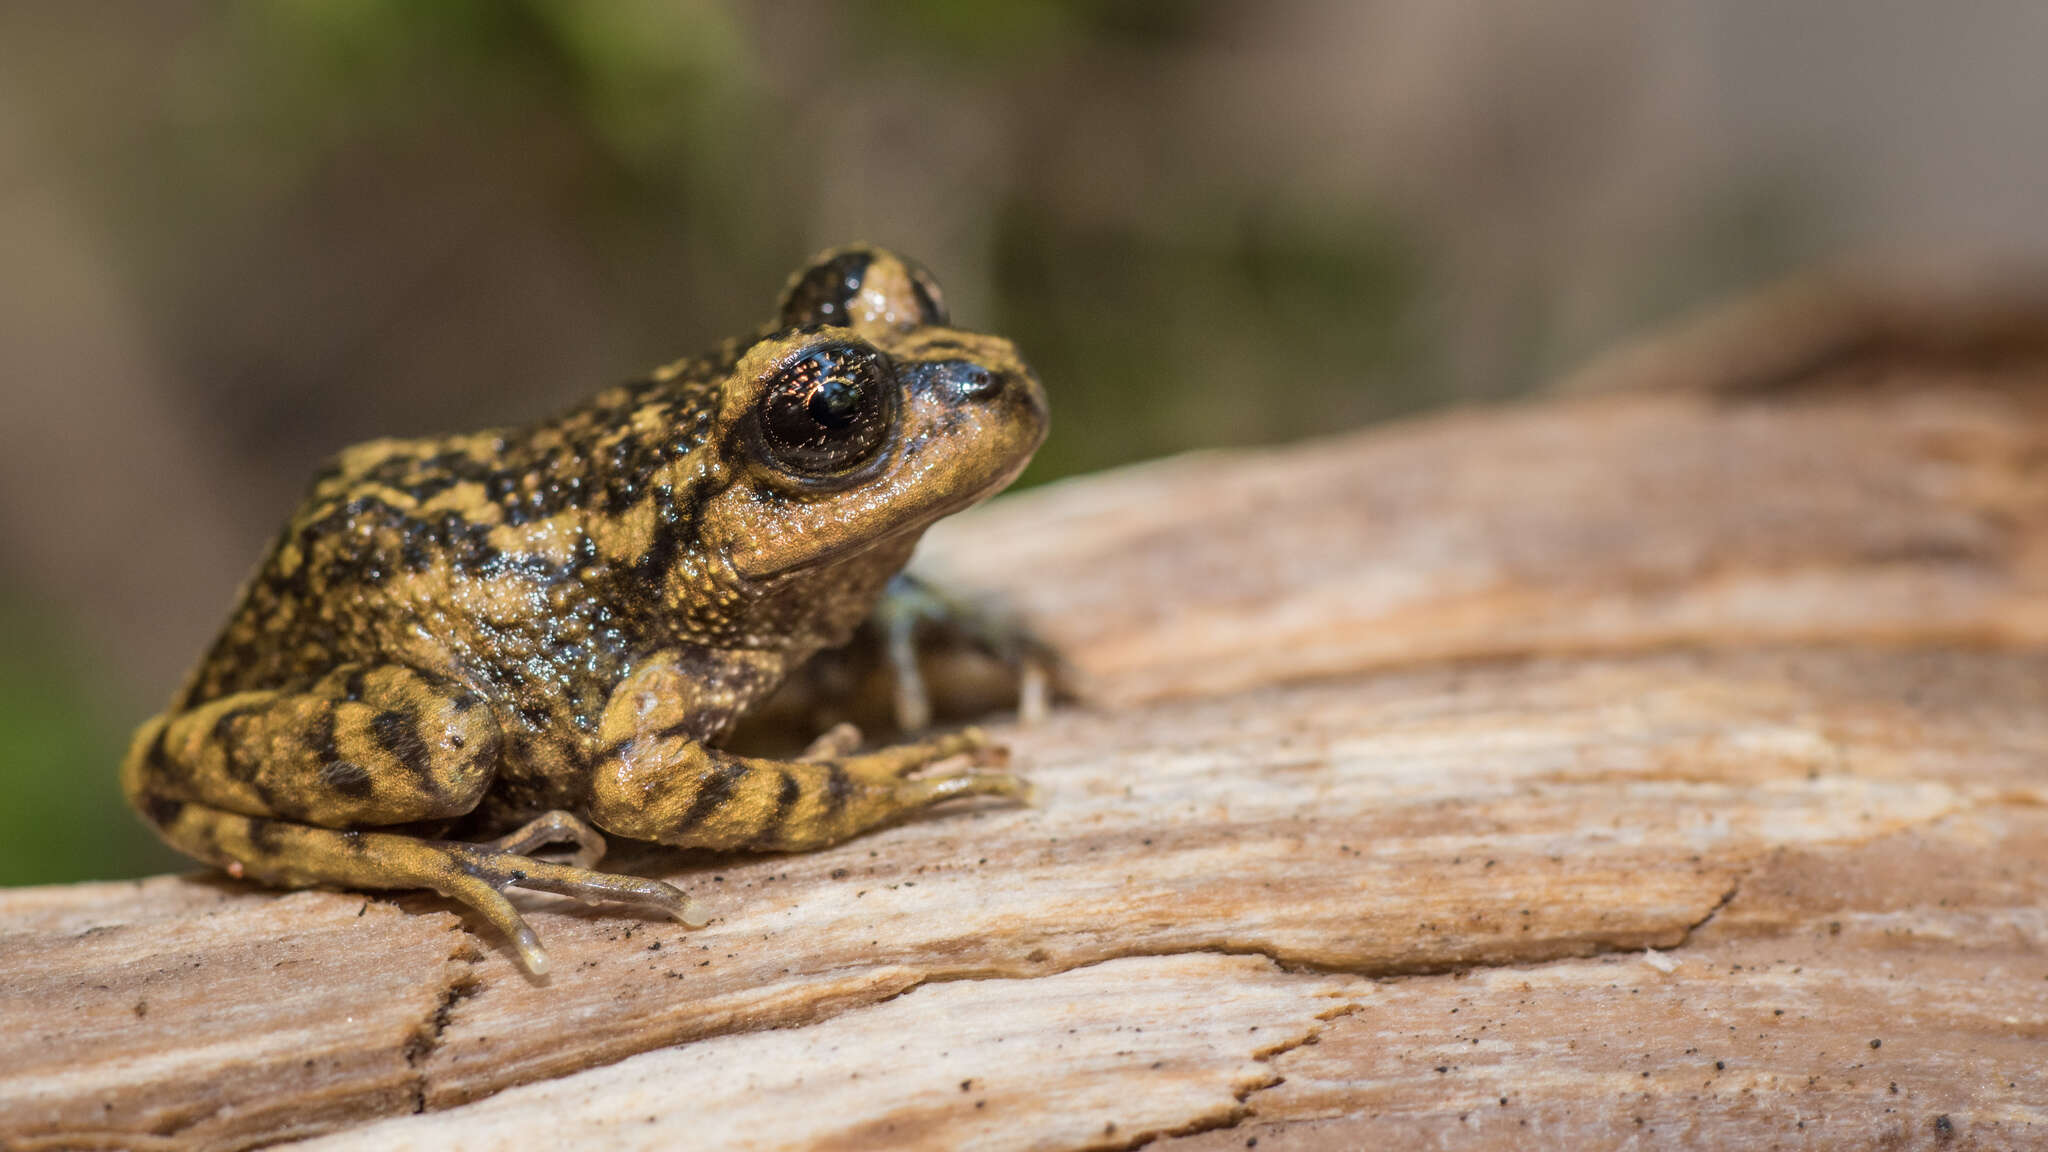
[
  {"x": 1604, "y": 772},
  {"x": 1877, "y": 505}
]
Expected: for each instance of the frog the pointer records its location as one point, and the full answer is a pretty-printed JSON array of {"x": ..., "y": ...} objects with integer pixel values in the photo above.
[{"x": 463, "y": 650}]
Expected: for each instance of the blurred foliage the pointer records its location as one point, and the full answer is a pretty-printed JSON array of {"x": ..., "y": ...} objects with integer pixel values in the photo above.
[
  {"x": 970, "y": 32},
  {"x": 1265, "y": 307},
  {"x": 63, "y": 818},
  {"x": 1213, "y": 317},
  {"x": 649, "y": 80}
]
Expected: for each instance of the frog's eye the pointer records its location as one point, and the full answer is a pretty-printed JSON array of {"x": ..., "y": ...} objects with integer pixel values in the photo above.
[
  {"x": 829, "y": 410},
  {"x": 852, "y": 287}
]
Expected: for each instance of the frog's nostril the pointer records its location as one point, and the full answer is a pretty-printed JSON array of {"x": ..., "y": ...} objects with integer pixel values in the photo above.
[{"x": 973, "y": 382}]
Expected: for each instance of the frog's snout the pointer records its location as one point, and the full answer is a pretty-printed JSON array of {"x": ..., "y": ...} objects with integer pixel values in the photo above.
[
  {"x": 973, "y": 382},
  {"x": 1009, "y": 393},
  {"x": 967, "y": 382}
]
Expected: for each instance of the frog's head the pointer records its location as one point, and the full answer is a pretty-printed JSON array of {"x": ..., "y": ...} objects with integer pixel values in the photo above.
[{"x": 861, "y": 420}]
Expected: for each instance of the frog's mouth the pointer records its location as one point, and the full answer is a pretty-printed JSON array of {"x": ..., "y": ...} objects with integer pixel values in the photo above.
[{"x": 844, "y": 547}]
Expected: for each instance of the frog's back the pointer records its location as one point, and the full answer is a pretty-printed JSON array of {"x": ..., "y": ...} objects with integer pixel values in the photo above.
[{"x": 442, "y": 553}]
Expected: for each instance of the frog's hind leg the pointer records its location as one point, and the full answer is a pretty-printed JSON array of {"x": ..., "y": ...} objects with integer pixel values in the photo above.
[
  {"x": 303, "y": 788},
  {"x": 297, "y": 855},
  {"x": 362, "y": 746}
]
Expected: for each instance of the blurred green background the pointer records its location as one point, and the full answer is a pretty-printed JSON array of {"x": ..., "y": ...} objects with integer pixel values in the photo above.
[{"x": 236, "y": 236}]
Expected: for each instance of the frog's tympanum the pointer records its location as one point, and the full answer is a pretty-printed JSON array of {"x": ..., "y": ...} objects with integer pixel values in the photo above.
[{"x": 463, "y": 649}]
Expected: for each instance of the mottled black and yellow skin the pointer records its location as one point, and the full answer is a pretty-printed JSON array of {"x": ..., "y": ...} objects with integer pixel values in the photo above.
[{"x": 521, "y": 633}]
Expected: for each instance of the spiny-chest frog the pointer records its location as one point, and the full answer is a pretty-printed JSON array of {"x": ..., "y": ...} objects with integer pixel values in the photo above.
[{"x": 463, "y": 649}]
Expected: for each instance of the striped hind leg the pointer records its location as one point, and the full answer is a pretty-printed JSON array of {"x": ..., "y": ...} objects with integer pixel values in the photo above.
[
  {"x": 292, "y": 855},
  {"x": 303, "y": 788}
]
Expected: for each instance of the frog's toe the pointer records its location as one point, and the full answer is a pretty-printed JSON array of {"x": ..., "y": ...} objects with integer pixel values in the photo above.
[
  {"x": 1035, "y": 688},
  {"x": 963, "y": 763},
  {"x": 973, "y": 780},
  {"x": 490, "y": 903},
  {"x": 904, "y": 759},
  {"x": 833, "y": 743},
  {"x": 554, "y": 827}
]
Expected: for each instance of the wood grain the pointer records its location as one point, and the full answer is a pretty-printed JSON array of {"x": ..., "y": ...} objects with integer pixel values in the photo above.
[
  {"x": 1097, "y": 1057},
  {"x": 1892, "y": 994},
  {"x": 1871, "y": 507},
  {"x": 181, "y": 1006},
  {"x": 1507, "y": 771}
]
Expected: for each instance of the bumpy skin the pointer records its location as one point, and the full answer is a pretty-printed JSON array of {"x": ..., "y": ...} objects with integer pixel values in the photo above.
[{"x": 514, "y": 632}]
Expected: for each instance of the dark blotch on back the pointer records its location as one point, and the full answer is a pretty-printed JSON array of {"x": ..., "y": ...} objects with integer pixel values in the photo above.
[
  {"x": 162, "y": 810},
  {"x": 930, "y": 311},
  {"x": 822, "y": 295}
]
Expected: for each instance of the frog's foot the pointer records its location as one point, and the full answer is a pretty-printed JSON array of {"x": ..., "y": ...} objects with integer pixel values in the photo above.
[
  {"x": 838, "y": 797},
  {"x": 911, "y": 606},
  {"x": 907, "y": 777},
  {"x": 478, "y": 875},
  {"x": 558, "y": 827},
  {"x": 984, "y": 773},
  {"x": 300, "y": 856},
  {"x": 671, "y": 790}
]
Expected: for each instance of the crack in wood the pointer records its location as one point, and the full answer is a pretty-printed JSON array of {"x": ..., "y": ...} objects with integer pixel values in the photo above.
[
  {"x": 456, "y": 987},
  {"x": 1244, "y": 1110}
]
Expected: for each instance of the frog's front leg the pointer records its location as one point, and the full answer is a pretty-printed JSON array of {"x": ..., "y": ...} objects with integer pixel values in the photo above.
[
  {"x": 655, "y": 779},
  {"x": 913, "y": 607},
  {"x": 300, "y": 788}
]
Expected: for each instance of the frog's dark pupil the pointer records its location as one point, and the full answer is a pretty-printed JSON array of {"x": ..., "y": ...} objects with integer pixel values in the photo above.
[{"x": 836, "y": 402}]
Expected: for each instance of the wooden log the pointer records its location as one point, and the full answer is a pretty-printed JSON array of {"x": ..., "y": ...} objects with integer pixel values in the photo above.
[{"x": 1661, "y": 766}]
